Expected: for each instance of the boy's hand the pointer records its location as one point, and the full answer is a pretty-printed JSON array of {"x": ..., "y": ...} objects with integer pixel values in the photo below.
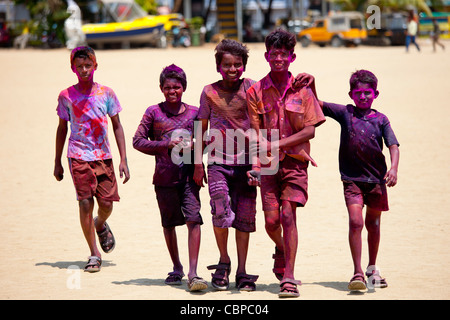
[
  {"x": 123, "y": 170},
  {"x": 391, "y": 178},
  {"x": 199, "y": 175},
  {"x": 254, "y": 177},
  {"x": 58, "y": 172},
  {"x": 303, "y": 80}
]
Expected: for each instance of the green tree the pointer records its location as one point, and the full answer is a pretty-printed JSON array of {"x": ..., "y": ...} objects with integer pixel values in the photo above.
[
  {"x": 47, "y": 17},
  {"x": 149, "y": 6}
]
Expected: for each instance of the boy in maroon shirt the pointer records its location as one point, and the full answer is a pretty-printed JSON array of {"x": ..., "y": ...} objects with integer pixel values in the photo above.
[{"x": 163, "y": 129}]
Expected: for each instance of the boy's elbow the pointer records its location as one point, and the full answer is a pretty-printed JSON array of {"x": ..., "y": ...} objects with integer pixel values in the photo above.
[{"x": 136, "y": 143}]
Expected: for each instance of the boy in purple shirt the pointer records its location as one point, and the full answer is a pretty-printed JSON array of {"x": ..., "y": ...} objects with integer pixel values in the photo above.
[
  {"x": 85, "y": 105},
  {"x": 363, "y": 169},
  {"x": 165, "y": 128}
]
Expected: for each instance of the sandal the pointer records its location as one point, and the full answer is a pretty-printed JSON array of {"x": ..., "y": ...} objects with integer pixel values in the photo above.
[
  {"x": 246, "y": 282},
  {"x": 375, "y": 280},
  {"x": 220, "y": 278},
  {"x": 174, "y": 278},
  {"x": 357, "y": 282},
  {"x": 197, "y": 284},
  {"x": 94, "y": 264},
  {"x": 106, "y": 238},
  {"x": 279, "y": 264},
  {"x": 289, "y": 288}
]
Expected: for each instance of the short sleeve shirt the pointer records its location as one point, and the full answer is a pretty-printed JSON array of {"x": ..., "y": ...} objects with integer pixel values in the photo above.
[
  {"x": 87, "y": 115},
  {"x": 154, "y": 134},
  {"x": 361, "y": 148},
  {"x": 229, "y": 122},
  {"x": 288, "y": 113}
]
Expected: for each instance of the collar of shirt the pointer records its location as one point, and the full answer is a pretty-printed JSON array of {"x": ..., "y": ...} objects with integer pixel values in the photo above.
[{"x": 267, "y": 83}]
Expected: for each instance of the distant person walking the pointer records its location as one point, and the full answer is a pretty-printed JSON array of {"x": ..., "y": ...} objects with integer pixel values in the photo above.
[
  {"x": 411, "y": 32},
  {"x": 435, "y": 35}
]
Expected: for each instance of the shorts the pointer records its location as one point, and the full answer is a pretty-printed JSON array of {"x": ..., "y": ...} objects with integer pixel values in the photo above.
[
  {"x": 233, "y": 201},
  {"x": 94, "y": 179},
  {"x": 374, "y": 195},
  {"x": 179, "y": 204},
  {"x": 289, "y": 183}
]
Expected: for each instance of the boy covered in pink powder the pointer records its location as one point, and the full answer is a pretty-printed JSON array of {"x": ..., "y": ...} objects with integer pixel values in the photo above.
[
  {"x": 86, "y": 106},
  {"x": 363, "y": 169},
  {"x": 233, "y": 201},
  {"x": 275, "y": 104},
  {"x": 164, "y": 128}
]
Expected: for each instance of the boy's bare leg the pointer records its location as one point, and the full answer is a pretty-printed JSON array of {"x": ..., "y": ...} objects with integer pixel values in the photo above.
[
  {"x": 194, "y": 235},
  {"x": 87, "y": 225},
  {"x": 356, "y": 224},
  {"x": 373, "y": 219},
  {"x": 273, "y": 228},
  {"x": 105, "y": 208},
  {"x": 221, "y": 235},
  {"x": 242, "y": 240},
  {"x": 170, "y": 236},
  {"x": 290, "y": 236}
]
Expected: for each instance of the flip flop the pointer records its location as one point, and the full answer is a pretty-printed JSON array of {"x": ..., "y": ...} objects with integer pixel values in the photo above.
[
  {"x": 106, "y": 238},
  {"x": 357, "y": 282},
  {"x": 94, "y": 264},
  {"x": 289, "y": 288},
  {"x": 278, "y": 264},
  {"x": 246, "y": 282},
  {"x": 375, "y": 280},
  {"x": 197, "y": 284},
  {"x": 220, "y": 278},
  {"x": 174, "y": 278}
]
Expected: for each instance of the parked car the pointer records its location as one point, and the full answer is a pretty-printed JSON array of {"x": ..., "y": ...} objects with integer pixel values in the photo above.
[
  {"x": 126, "y": 23},
  {"x": 339, "y": 29},
  {"x": 392, "y": 30},
  {"x": 294, "y": 25}
]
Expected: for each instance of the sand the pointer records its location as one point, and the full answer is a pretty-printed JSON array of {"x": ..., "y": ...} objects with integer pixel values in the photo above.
[{"x": 42, "y": 249}]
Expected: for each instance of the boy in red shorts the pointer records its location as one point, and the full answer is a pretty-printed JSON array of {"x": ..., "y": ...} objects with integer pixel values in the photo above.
[
  {"x": 275, "y": 104},
  {"x": 85, "y": 105},
  {"x": 363, "y": 169}
]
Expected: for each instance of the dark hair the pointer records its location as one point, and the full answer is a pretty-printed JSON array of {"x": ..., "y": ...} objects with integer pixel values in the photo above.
[
  {"x": 83, "y": 52},
  {"x": 280, "y": 39},
  {"x": 363, "y": 76},
  {"x": 232, "y": 47},
  {"x": 173, "y": 72}
]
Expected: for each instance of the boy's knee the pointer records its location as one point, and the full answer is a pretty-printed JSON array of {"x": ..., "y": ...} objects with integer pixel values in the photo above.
[
  {"x": 86, "y": 205},
  {"x": 272, "y": 221},
  {"x": 356, "y": 225},
  {"x": 105, "y": 205}
]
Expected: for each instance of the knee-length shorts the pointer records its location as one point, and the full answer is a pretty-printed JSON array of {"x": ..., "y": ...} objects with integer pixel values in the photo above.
[{"x": 233, "y": 201}]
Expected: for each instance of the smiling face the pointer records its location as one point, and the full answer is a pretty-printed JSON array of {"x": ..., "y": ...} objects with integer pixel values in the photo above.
[
  {"x": 279, "y": 59},
  {"x": 363, "y": 95},
  {"x": 231, "y": 68},
  {"x": 172, "y": 90},
  {"x": 84, "y": 68}
]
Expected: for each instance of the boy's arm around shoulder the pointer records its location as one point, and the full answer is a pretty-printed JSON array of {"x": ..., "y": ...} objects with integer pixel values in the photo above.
[
  {"x": 61, "y": 133},
  {"x": 120, "y": 139}
]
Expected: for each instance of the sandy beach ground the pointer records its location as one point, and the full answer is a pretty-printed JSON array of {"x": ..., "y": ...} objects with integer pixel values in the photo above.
[{"x": 42, "y": 249}]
